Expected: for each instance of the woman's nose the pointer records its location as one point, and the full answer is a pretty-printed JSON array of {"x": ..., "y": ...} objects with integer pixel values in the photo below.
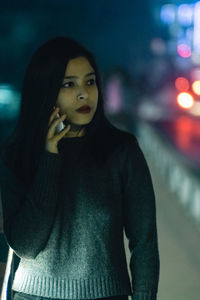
[{"x": 82, "y": 94}]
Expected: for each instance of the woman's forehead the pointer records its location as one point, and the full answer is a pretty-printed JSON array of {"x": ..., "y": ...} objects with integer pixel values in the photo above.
[{"x": 78, "y": 64}]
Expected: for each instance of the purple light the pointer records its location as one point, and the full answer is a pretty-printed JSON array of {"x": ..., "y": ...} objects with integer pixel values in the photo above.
[
  {"x": 158, "y": 46},
  {"x": 184, "y": 50},
  {"x": 113, "y": 96}
]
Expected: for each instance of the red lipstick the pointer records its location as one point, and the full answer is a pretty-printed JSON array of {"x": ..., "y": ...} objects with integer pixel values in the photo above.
[{"x": 84, "y": 109}]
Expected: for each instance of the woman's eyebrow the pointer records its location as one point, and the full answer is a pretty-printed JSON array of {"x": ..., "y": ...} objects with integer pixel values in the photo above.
[{"x": 91, "y": 73}]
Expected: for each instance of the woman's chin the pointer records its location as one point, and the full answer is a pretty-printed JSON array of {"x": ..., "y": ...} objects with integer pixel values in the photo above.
[{"x": 76, "y": 123}]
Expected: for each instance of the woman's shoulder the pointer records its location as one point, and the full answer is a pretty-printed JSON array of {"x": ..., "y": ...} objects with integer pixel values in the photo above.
[
  {"x": 113, "y": 142},
  {"x": 129, "y": 152},
  {"x": 122, "y": 137}
]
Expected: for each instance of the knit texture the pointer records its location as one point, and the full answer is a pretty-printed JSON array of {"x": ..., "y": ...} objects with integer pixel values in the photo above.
[{"x": 68, "y": 228}]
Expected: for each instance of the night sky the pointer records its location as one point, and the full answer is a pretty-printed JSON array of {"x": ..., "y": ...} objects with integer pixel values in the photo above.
[{"x": 117, "y": 32}]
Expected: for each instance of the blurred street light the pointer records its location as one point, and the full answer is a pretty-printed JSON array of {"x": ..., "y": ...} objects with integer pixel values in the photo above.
[{"x": 185, "y": 100}]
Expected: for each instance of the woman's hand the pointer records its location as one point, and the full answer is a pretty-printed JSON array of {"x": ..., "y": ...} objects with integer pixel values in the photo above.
[{"x": 52, "y": 137}]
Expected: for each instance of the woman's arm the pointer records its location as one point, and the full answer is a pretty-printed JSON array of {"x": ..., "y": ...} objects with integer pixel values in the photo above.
[
  {"x": 140, "y": 224},
  {"x": 28, "y": 216}
]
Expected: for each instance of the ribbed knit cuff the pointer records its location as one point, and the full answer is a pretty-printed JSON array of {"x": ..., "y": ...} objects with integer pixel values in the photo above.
[
  {"x": 144, "y": 295},
  {"x": 45, "y": 186}
]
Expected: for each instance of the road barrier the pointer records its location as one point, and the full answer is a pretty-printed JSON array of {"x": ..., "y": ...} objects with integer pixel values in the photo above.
[{"x": 174, "y": 168}]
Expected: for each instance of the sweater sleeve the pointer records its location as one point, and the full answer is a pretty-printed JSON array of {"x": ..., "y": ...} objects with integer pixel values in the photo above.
[
  {"x": 140, "y": 224},
  {"x": 28, "y": 215}
]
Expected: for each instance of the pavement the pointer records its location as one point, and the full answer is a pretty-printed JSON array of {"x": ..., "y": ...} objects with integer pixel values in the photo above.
[{"x": 179, "y": 245}]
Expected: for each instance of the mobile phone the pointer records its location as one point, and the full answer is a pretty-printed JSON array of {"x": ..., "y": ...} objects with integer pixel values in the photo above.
[{"x": 60, "y": 126}]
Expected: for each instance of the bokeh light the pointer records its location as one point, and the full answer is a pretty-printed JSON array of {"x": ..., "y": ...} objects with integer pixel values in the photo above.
[
  {"x": 195, "y": 74},
  {"x": 9, "y": 101},
  {"x": 158, "y": 46},
  {"x": 184, "y": 50},
  {"x": 196, "y": 87},
  {"x": 196, "y": 38},
  {"x": 185, "y": 100},
  {"x": 167, "y": 14},
  {"x": 185, "y": 14},
  {"x": 182, "y": 84}
]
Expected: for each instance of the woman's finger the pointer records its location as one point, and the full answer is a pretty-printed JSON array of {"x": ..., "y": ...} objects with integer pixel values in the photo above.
[
  {"x": 53, "y": 115},
  {"x": 53, "y": 125},
  {"x": 59, "y": 135}
]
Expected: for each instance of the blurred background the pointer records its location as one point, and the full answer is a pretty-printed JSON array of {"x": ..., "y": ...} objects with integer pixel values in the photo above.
[{"x": 148, "y": 53}]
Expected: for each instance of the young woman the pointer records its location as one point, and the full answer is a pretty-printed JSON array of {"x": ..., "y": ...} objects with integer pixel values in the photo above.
[{"x": 71, "y": 183}]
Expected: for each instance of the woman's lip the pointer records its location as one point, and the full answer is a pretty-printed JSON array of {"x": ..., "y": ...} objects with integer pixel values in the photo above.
[
  {"x": 87, "y": 110},
  {"x": 83, "y": 109}
]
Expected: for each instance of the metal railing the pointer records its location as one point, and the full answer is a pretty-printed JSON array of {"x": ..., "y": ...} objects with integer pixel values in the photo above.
[{"x": 175, "y": 170}]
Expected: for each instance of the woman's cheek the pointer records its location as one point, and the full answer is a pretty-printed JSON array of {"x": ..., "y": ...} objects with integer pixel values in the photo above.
[{"x": 63, "y": 96}]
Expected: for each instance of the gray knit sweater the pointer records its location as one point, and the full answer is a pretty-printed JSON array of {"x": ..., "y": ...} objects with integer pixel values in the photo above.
[{"x": 68, "y": 229}]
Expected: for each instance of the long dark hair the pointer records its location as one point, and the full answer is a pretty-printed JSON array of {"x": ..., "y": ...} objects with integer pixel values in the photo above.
[{"x": 42, "y": 80}]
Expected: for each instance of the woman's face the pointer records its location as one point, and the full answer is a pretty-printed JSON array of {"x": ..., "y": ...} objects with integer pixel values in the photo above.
[{"x": 81, "y": 83}]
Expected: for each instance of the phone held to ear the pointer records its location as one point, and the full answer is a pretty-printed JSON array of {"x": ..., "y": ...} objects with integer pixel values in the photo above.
[{"x": 60, "y": 127}]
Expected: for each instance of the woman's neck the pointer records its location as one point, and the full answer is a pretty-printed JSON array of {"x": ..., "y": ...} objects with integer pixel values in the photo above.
[{"x": 75, "y": 131}]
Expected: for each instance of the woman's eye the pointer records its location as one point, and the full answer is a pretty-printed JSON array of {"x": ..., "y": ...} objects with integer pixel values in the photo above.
[
  {"x": 70, "y": 83},
  {"x": 67, "y": 84},
  {"x": 92, "y": 81}
]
